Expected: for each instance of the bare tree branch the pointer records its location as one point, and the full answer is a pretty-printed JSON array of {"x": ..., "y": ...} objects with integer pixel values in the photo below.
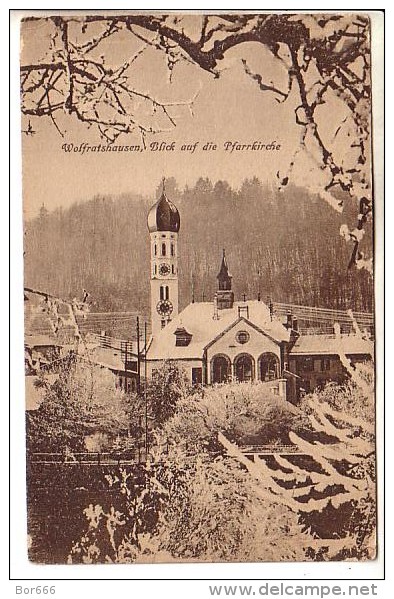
[{"x": 325, "y": 56}]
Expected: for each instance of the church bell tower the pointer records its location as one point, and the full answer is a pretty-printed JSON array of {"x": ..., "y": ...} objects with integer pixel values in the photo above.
[
  {"x": 224, "y": 295},
  {"x": 163, "y": 225}
]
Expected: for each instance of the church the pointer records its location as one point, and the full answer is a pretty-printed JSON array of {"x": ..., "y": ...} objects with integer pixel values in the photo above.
[
  {"x": 224, "y": 339},
  {"x": 214, "y": 341}
]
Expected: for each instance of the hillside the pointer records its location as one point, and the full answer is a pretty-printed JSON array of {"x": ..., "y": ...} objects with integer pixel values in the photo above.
[{"x": 287, "y": 246}]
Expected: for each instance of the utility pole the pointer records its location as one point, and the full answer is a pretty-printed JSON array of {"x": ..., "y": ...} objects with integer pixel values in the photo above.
[
  {"x": 125, "y": 368},
  {"x": 139, "y": 438},
  {"x": 138, "y": 357},
  {"x": 271, "y": 308},
  {"x": 145, "y": 393},
  {"x": 259, "y": 288}
]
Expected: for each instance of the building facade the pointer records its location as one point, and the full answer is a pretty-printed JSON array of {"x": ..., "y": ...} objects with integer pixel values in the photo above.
[{"x": 225, "y": 340}]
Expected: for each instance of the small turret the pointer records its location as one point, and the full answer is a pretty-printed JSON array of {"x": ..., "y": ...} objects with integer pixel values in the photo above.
[{"x": 225, "y": 296}]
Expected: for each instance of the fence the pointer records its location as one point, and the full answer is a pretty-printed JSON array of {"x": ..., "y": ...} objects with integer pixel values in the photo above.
[
  {"x": 89, "y": 458},
  {"x": 321, "y": 320},
  {"x": 270, "y": 450}
]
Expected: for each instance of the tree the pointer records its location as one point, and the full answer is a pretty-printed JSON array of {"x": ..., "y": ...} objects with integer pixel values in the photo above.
[
  {"x": 168, "y": 385},
  {"x": 323, "y": 61},
  {"x": 80, "y": 410},
  {"x": 192, "y": 501},
  {"x": 217, "y": 514},
  {"x": 247, "y": 414},
  {"x": 202, "y": 499},
  {"x": 331, "y": 486},
  {"x": 89, "y": 244},
  {"x": 121, "y": 532}
]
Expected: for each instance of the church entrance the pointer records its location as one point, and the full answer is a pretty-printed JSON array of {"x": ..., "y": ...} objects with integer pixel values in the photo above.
[
  {"x": 268, "y": 367},
  {"x": 244, "y": 368},
  {"x": 220, "y": 369}
]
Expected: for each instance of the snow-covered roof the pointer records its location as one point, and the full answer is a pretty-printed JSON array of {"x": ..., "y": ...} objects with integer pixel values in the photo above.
[
  {"x": 41, "y": 341},
  {"x": 332, "y": 345},
  {"x": 107, "y": 357},
  {"x": 198, "y": 320}
]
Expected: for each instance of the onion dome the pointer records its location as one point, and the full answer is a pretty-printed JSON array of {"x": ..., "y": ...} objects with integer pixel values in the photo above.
[{"x": 164, "y": 215}]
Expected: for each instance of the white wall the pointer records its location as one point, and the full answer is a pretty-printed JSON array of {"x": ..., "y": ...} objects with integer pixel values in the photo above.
[{"x": 228, "y": 345}]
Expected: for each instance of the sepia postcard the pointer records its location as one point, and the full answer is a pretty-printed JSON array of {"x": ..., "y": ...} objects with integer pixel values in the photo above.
[{"x": 198, "y": 203}]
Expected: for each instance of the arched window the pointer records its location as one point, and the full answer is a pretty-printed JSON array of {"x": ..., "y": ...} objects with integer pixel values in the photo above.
[
  {"x": 163, "y": 249},
  {"x": 268, "y": 367},
  {"x": 220, "y": 368},
  {"x": 164, "y": 292},
  {"x": 155, "y": 269},
  {"x": 172, "y": 249},
  {"x": 244, "y": 368},
  {"x": 173, "y": 269},
  {"x": 155, "y": 249}
]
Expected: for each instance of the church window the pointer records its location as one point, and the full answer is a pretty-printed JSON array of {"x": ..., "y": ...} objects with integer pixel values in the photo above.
[
  {"x": 161, "y": 292},
  {"x": 155, "y": 249},
  {"x": 172, "y": 249},
  {"x": 155, "y": 269},
  {"x": 173, "y": 269},
  {"x": 244, "y": 368},
  {"x": 242, "y": 337},
  {"x": 167, "y": 293},
  {"x": 268, "y": 367},
  {"x": 220, "y": 369},
  {"x": 163, "y": 249}
]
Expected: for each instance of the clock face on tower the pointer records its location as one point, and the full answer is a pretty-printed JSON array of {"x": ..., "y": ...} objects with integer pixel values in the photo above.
[
  {"x": 164, "y": 307},
  {"x": 164, "y": 269}
]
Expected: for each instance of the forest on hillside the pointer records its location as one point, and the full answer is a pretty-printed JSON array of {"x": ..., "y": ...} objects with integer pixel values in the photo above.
[{"x": 284, "y": 245}]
